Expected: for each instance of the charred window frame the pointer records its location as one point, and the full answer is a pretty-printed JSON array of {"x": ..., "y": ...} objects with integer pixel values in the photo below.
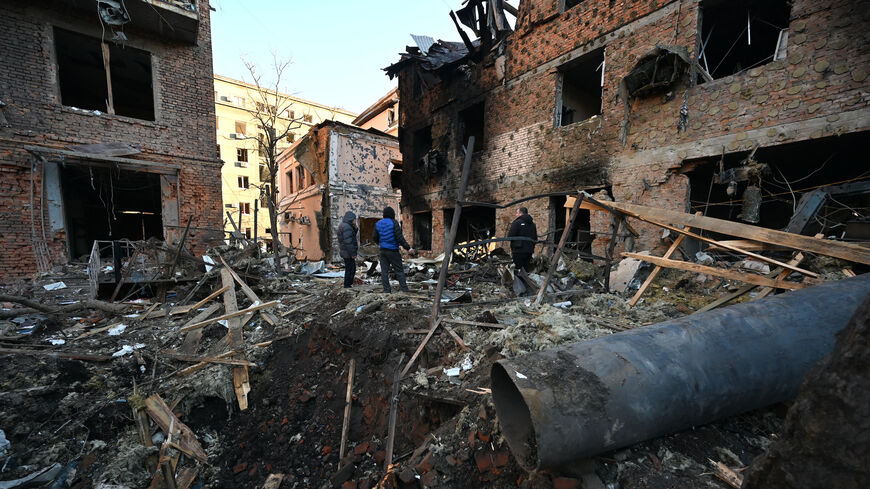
[
  {"x": 396, "y": 171},
  {"x": 579, "y": 87},
  {"x": 471, "y": 122},
  {"x": 96, "y": 75},
  {"x": 421, "y": 143},
  {"x": 737, "y": 35}
]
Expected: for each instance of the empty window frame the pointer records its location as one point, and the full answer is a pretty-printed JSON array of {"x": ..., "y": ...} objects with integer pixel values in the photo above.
[
  {"x": 738, "y": 35},
  {"x": 421, "y": 142},
  {"x": 244, "y": 182},
  {"x": 85, "y": 81},
  {"x": 578, "y": 88},
  {"x": 568, "y": 4},
  {"x": 242, "y": 155},
  {"x": 422, "y": 222},
  {"x": 396, "y": 174},
  {"x": 471, "y": 122}
]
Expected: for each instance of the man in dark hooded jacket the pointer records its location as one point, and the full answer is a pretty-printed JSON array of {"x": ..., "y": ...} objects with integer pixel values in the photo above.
[
  {"x": 523, "y": 226},
  {"x": 388, "y": 235},
  {"x": 347, "y": 246}
]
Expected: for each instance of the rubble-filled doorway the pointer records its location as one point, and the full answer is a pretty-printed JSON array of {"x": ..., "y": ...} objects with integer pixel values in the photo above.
[
  {"x": 103, "y": 203},
  {"x": 579, "y": 238}
]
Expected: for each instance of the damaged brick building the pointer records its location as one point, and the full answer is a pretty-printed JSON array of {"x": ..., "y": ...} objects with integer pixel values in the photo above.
[
  {"x": 734, "y": 109},
  {"x": 107, "y": 127}
]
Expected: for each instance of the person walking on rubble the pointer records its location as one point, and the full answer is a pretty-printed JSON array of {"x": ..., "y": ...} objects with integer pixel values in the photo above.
[
  {"x": 388, "y": 235},
  {"x": 348, "y": 247},
  {"x": 521, "y": 250}
]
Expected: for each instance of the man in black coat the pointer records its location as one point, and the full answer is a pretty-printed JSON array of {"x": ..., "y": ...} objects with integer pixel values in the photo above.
[
  {"x": 347, "y": 246},
  {"x": 521, "y": 250}
]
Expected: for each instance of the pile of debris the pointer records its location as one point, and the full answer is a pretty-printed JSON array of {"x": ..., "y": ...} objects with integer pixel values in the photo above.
[{"x": 240, "y": 375}]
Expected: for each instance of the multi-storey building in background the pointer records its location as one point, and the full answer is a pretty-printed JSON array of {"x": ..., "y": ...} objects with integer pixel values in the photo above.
[{"x": 238, "y": 135}]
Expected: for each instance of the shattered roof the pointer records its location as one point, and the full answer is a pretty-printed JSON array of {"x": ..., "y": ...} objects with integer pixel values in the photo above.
[{"x": 438, "y": 54}]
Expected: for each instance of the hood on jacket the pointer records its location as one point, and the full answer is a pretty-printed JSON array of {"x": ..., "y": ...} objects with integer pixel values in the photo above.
[{"x": 349, "y": 217}]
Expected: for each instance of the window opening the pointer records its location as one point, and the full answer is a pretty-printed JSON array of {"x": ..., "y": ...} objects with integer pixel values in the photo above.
[
  {"x": 241, "y": 128},
  {"x": 423, "y": 230},
  {"x": 396, "y": 174},
  {"x": 568, "y": 4},
  {"x": 242, "y": 155},
  {"x": 95, "y": 75},
  {"x": 367, "y": 229},
  {"x": 579, "y": 91},
  {"x": 243, "y": 182},
  {"x": 244, "y": 207},
  {"x": 471, "y": 120},
  {"x": 741, "y": 34}
]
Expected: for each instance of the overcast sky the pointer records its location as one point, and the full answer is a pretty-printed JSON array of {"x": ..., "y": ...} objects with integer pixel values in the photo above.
[{"x": 338, "y": 48}]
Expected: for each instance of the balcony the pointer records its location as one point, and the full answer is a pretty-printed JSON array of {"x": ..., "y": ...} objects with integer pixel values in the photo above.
[{"x": 170, "y": 19}]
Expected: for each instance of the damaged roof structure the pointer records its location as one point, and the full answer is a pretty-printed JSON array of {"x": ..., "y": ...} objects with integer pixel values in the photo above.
[{"x": 108, "y": 128}]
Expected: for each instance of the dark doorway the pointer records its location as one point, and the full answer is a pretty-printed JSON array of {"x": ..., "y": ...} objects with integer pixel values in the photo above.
[
  {"x": 475, "y": 223},
  {"x": 108, "y": 204},
  {"x": 367, "y": 229},
  {"x": 579, "y": 238},
  {"x": 423, "y": 230}
]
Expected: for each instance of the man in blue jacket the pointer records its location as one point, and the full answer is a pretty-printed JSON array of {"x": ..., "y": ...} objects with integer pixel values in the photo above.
[{"x": 388, "y": 234}]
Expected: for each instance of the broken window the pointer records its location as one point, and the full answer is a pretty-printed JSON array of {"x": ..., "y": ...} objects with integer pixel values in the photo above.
[
  {"x": 242, "y": 155},
  {"x": 471, "y": 124},
  {"x": 568, "y": 4},
  {"x": 422, "y": 222},
  {"x": 738, "y": 35},
  {"x": 578, "y": 89},
  {"x": 125, "y": 88},
  {"x": 421, "y": 143},
  {"x": 805, "y": 187},
  {"x": 241, "y": 128},
  {"x": 243, "y": 182},
  {"x": 391, "y": 117},
  {"x": 396, "y": 174}
]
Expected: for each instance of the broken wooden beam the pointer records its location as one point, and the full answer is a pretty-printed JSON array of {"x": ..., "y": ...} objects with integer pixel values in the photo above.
[
  {"x": 646, "y": 283},
  {"x": 456, "y": 337},
  {"x": 235, "y": 337},
  {"x": 187, "y": 309},
  {"x": 230, "y": 315},
  {"x": 749, "y": 278},
  {"x": 394, "y": 408},
  {"x": 165, "y": 418},
  {"x": 194, "y": 359},
  {"x": 555, "y": 260},
  {"x": 345, "y": 426},
  {"x": 420, "y": 348},
  {"x": 191, "y": 341},
  {"x": 56, "y": 354},
  {"x": 838, "y": 249},
  {"x": 249, "y": 293}
]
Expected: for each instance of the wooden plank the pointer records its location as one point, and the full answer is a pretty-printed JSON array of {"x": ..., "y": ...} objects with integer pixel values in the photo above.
[
  {"x": 186, "y": 476},
  {"x": 191, "y": 341},
  {"x": 747, "y": 244},
  {"x": 229, "y": 315},
  {"x": 838, "y": 249},
  {"x": 164, "y": 417},
  {"x": 201, "y": 365},
  {"x": 555, "y": 260},
  {"x": 717, "y": 243},
  {"x": 472, "y": 323},
  {"x": 187, "y": 309},
  {"x": 195, "y": 359},
  {"x": 456, "y": 338},
  {"x": 717, "y": 272},
  {"x": 729, "y": 297},
  {"x": 56, "y": 354},
  {"x": 148, "y": 312},
  {"x": 345, "y": 426},
  {"x": 766, "y": 291},
  {"x": 394, "y": 408},
  {"x": 646, "y": 283},
  {"x": 422, "y": 345},
  {"x": 249, "y": 293},
  {"x": 241, "y": 383}
]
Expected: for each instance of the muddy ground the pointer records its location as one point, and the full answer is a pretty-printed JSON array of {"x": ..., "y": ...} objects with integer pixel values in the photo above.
[{"x": 79, "y": 413}]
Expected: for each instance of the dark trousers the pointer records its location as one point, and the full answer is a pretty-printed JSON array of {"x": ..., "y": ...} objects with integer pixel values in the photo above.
[
  {"x": 349, "y": 271},
  {"x": 521, "y": 260},
  {"x": 392, "y": 259}
]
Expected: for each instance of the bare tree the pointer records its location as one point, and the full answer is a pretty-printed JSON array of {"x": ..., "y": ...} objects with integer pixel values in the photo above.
[{"x": 275, "y": 122}]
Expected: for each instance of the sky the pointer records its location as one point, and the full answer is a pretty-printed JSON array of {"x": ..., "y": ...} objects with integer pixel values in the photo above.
[{"x": 337, "y": 48}]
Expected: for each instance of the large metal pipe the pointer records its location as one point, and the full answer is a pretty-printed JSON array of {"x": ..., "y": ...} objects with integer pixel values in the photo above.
[{"x": 579, "y": 400}]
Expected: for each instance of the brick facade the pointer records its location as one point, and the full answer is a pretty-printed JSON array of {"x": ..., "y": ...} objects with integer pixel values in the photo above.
[
  {"x": 182, "y": 134},
  {"x": 819, "y": 90}
]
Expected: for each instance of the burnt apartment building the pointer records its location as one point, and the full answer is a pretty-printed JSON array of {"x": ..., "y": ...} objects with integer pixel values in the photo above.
[
  {"x": 736, "y": 109},
  {"x": 107, "y": 127}
]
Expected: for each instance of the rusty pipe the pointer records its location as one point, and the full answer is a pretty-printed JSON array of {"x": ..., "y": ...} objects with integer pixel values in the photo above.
[{"x": 576, "y": 401}]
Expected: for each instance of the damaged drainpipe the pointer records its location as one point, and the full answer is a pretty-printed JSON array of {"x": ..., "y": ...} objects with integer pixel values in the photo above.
[{"x": 576, "y": 401}]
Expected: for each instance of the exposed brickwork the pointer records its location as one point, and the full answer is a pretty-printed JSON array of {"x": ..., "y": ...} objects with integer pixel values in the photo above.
[
  {"x": 819, "y": 90},
  {"x": 183, "y": 133}
]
